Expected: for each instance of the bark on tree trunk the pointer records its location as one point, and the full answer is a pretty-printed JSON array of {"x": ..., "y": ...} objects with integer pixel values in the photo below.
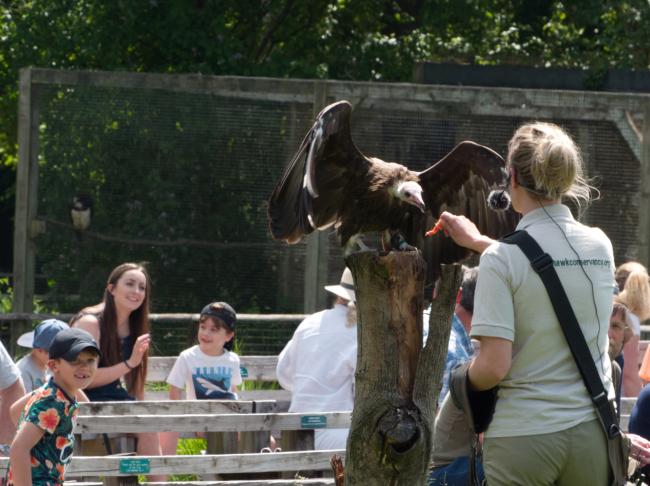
[{"x": 397, "y": 381}]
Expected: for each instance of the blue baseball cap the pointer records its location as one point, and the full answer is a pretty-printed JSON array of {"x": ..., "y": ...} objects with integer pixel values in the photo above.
[{"x": 42, "y": 336}]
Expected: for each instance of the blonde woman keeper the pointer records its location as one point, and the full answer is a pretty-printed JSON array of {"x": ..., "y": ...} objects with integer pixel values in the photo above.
[{"x": 544, "y": 430}]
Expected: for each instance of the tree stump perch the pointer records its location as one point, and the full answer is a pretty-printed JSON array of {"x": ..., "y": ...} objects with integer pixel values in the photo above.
[{"x": 397, "y": 380}]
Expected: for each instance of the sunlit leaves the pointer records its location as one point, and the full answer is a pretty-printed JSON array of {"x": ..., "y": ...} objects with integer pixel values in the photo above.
[{"x": 367, "y": 40}]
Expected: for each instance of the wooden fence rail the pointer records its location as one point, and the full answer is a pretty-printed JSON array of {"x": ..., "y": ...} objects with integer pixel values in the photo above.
[
  {"x": 154, "y": 318},
  {"x": 207, "y": 464},
  {"x": 169, "y": 407},
  {"x": 243, "y": 482},
  {"x": 260, "y": 368},
  {"x": 254, "y": 422},
  {"x": 214, "y": 415}
]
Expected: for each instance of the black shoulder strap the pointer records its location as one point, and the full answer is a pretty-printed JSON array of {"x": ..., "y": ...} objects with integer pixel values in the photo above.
[{"x": 542, "y": 263}]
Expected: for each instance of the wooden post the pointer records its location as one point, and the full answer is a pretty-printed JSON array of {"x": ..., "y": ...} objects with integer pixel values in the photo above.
[
  {"x": 582, "y": 135},
  {"x": 285, "y": 290},
  {"x": 644, "y": 204},
  {"x": 26, "y": 202},
  {"x": 397, "y": 382},
  {"x": 317, "y": 257},
  {"x": 219, "y": 443},
  {"x": 255, "y": 441},
  {"x": 297, "y": 440},
  {"x": 120, "y": 481}
]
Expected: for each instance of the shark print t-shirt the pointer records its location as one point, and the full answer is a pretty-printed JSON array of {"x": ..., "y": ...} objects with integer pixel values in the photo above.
[{"x": 206, "y": 377}]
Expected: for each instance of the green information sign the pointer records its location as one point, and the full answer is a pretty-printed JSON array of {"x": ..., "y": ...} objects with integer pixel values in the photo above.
[
  {"x": 134, "y": 466},
  {"x": 243, "y": 371},
  {"x": 313, "y": 422}
]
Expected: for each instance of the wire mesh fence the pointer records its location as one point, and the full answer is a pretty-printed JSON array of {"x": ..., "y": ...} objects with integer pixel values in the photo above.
[
  {"x": 170, "y": 336},
  {"x": 179, "y": 168},
  {"x": 176, "y": 181}
]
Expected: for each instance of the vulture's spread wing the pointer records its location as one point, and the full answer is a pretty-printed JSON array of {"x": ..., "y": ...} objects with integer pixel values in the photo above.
[
  {"x": 460, "y": 183},
  {"x": 314, "y": 188}
]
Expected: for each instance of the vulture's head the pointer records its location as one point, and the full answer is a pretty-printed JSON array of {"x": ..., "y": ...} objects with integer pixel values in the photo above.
[{"x": 410, "y": 192}]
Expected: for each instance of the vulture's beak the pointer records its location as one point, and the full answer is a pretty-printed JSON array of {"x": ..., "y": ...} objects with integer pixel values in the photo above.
[{"x": 417, "y": 201}]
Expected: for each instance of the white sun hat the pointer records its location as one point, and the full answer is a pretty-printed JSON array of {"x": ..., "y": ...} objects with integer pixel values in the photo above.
[{"x": 345, "y": 289}]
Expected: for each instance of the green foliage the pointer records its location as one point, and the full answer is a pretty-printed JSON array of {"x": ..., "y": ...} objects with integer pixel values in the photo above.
[
  {"x": 194, "y": 447},
  {"x": 238, "y": 346},
  {"x": 249, "y": 385},
  {"x": 361, "y": 40},
  {"x": 7, "y": 298},
  {"x": 374, "y": 40},
  {"x": 156, "y": 386}
]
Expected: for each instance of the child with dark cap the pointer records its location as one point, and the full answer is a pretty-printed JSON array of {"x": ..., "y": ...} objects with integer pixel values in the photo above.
[
  {"x": 44, "y": 442},
  {"x": 33, "y": 366},
  {"x": 208, "y": 370}
]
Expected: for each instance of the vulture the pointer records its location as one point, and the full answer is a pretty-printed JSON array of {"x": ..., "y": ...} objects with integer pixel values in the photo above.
[{"x": 330, "y": 183}]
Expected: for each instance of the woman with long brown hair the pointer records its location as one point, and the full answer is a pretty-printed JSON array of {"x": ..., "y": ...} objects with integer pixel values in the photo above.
[{"x": 120, "y": 324}]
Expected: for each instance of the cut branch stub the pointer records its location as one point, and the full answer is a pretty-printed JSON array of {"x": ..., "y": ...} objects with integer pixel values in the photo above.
[{"x": 432, "y": 359}]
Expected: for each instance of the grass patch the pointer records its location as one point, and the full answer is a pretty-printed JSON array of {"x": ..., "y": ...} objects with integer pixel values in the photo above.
[
  {"x": 188, "y": 447},
  {"x": 156, "y": 386},
  {"x": 248, "y": 385}
]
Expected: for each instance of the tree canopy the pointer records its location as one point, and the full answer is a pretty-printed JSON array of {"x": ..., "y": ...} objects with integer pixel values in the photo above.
[
  {"x": 368, "y": 40},
  {"x": 375, "y": 40}
]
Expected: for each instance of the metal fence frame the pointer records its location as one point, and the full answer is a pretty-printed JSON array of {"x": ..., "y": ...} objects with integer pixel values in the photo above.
[{"x": 621, "y": 109}]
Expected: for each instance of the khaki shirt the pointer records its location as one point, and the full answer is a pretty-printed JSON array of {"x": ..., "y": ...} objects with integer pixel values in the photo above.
[{"x": 543, "y": 391}]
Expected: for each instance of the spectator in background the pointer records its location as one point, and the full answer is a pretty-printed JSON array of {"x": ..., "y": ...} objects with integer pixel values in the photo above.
[
  {"x": 451, "y": 449},
  {"x": 634, "y": 286},
  {"x": 460, "y": 345},
  {"x": 120, "y": 324},
  {"x": 208, "y": 370},
  {"x": 33, "y": 366},
  {"x": 317, "y": 365},
  {"x": 452, "y": 437},
  {"x": 11, "y": 389},
  {"x": 619, "y": 333},
  {"x": 640, "y": 423}
]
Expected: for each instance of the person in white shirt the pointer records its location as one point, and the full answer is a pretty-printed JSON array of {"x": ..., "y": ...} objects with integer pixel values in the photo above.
[
  {"x": 317, "y": 365},
  {"x": 11, "y": 389},
  {"x": 208, "y": 370}
]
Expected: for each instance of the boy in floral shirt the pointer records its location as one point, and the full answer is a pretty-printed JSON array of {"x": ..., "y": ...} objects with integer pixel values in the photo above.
[{"x": 44, "y": 442}]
